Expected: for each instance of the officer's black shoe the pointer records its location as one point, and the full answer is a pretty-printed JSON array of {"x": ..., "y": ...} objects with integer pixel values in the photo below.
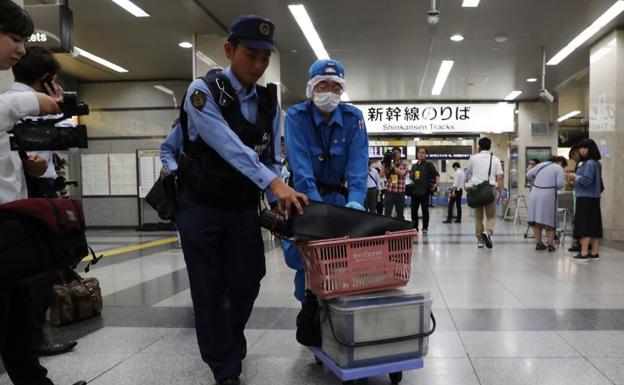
[
  {"x": 447, "y": 221},
  {"x": 229, "y": 381},
  {"x": 244, "y": 349},
  {"x": 46, "y": 348},
  {"x": 81, "y": 383}
]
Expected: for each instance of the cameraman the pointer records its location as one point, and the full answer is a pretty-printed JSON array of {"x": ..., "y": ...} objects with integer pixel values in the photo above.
[
  {"x": 394, "y": 172},
  {"x": 37, "y": 69},
  {"x": 16, "y": 345}
]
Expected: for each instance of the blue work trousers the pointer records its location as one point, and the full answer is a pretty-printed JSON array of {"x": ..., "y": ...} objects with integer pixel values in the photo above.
[
  {"x": 293, "y": 258},
  {"x": 224, "y": 256}
]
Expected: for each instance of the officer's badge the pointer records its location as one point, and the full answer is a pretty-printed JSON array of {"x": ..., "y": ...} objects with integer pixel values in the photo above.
[
  {"x": 264, "y": 29},
  {"x": 198, "y": 99}
]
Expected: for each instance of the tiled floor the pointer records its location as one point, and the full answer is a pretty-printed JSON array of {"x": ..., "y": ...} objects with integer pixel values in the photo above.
[{"x": 510, "y": 315}]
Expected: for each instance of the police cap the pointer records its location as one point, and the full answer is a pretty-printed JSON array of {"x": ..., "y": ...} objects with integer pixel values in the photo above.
[
  {"x": 327, "y": 67},
  {"x": 253, "y": 32}
]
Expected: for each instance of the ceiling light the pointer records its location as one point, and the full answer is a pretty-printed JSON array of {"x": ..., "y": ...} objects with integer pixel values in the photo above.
[
  {"x": 208, "y": 61},
  {"x": 163, "y": 89},
  {"x": 599, "y": 54},
  {"x": 457, "y": 37},
  {"x": 443, "y": 73},
  {"x": 590, "y": 31},
  {"x": 501, "y": 39},
  {"x": 602, "y": 52},
  {"x": 512, "y": 95},
  {"x": 185, "y": 44},
  {"x": 470, "y": 3},
  {"x": 305, "y": 23},
  {"x": 99, "y": 60},
  {"x": 568, "y": 116},
  {"x": 131, "y": 7},
  {"x": 531, "y": 80}
]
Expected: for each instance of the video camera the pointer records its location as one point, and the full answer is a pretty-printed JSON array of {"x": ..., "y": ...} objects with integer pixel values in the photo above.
[
  {"x": 388, "y": 158},
  {"x": 41, "y": 134}
]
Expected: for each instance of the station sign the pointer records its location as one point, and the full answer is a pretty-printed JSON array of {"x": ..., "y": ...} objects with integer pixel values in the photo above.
[
  {"x": 448, "y": 152},
  {"x": 438, "y": 118},
  {"x": 377, "y": 152}
]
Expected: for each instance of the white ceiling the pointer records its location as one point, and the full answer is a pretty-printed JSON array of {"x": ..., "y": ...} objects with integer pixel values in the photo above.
[{"x": 389, "y": 50}]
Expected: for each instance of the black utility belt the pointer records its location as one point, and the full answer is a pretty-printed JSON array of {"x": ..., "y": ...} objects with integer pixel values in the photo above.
[{"x": 326, "y": 189}]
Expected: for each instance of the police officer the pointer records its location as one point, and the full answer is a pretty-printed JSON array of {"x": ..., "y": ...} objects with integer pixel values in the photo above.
[
  {"x": 230, "y": 154},
  {"x": 171, "y": 147},
  {"x": 327, "y": 148}
]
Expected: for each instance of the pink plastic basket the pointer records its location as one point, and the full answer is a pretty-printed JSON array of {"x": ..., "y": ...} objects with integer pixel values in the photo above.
[{"x": 344, "y": 266}]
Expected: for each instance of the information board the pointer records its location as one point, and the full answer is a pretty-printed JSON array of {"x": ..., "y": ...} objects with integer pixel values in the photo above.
[{"x": 149, "y": 170}]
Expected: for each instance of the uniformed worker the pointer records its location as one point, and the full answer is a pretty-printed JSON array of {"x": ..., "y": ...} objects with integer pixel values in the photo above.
[
  {"x": 229, "y": 156},
  {"x": 171, "y": 147},
  {"x": 327, "y": 147}
]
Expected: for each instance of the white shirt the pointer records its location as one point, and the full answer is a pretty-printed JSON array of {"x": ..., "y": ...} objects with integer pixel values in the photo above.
[
  {"x": 373, "y": 179},
  {"x": 479, "y": 164},
  {"x": 13, "y": 107},
  {"x": 459, "y": 180}
]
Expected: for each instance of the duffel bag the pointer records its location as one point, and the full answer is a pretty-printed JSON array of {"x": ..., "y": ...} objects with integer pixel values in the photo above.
[{"x": 75, "y": 299}]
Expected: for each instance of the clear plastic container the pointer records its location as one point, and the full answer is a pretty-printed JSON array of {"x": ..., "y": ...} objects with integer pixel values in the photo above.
[{"x": 373, "y": 319}]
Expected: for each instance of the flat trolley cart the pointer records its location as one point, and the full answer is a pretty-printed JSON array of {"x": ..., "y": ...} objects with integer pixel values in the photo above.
[
  {"x": 363, "y": 321},
  {"x": 394, "y": 370}
]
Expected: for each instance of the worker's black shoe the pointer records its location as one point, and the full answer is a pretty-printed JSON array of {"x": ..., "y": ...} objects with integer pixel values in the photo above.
[{"x": 229, "y": 381}]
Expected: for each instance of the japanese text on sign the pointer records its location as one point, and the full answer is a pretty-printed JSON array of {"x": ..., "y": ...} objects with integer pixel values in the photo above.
[{"x": 438, "y": 118}]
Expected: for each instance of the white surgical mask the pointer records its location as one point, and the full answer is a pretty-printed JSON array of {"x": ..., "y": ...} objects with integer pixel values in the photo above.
[{"x": 326, "y": 101}]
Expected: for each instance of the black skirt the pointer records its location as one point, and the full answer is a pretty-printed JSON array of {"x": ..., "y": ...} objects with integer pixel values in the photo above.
[{"x": 587, "y": 218}]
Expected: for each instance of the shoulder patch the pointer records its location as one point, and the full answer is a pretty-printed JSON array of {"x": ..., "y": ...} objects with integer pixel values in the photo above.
[{"x": 198, "y": 99}]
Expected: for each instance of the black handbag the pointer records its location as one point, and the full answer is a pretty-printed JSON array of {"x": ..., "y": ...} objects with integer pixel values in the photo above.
[
  {"x": 416, "y": 190},
  {"x": 481, "y": 194},
  {"x": 163, "y": 196}
]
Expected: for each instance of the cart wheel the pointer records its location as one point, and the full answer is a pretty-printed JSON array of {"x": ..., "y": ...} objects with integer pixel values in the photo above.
[
  {"x": 318, "y": 361},
  {"x": 396, "y": 377}
]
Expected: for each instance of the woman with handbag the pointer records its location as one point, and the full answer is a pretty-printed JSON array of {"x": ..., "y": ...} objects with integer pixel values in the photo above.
[
  {"x": 588, "y": 187},
  {"x": 546, "y": 179}
]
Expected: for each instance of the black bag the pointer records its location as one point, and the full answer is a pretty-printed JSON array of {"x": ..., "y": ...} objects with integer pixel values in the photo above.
[
  {"x": 481, "y": 194},
  {"x": 163, "y": 196},
  {"x": 414, "y": 190},
  {"x": 309, "y": 322},
  {"x": 322, "y": 220}
]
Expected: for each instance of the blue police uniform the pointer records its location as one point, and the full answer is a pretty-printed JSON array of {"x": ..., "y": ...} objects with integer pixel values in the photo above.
[
  {"x": 222, "y": 242},
  {"x": 170, "y": 149},
  {"x": 324, "y": 154}
]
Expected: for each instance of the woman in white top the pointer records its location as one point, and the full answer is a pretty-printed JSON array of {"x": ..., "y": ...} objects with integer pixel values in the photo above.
[{"x": 16, "y": 343}]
